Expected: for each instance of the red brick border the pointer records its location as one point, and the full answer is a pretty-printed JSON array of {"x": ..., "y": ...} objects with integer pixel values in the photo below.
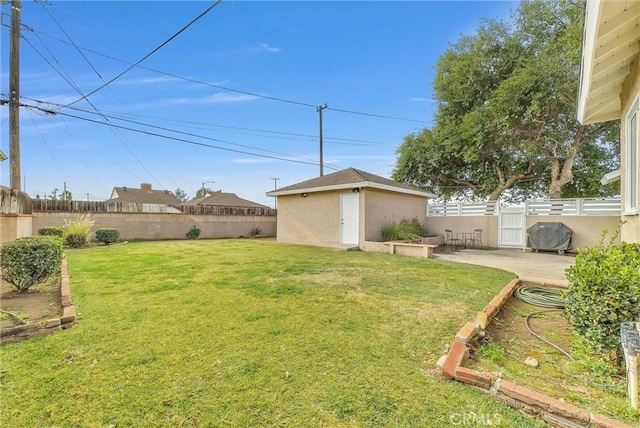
[
  {"x": 68, "y": 318},
  {"x": 555, "y": 412}
]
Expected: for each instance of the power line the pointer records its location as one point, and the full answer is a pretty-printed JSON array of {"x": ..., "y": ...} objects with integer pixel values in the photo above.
[
  {"x": 183, "y": 140},
  {"x": 169, "y": 130},
  {"x": 381, "y": 116},
  {"x": 147, "y": 55},
  {"x": 77, "y": 89},
  {"x": 253, "y": 94}
]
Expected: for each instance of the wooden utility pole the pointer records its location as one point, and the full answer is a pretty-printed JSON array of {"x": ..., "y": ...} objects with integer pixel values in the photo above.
[
  {"x": 319, "y": 110},
  {"x": 14, "y": 96}
]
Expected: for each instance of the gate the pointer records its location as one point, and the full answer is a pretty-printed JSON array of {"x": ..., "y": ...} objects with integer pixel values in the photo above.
[{"x": 511, "y": 228}]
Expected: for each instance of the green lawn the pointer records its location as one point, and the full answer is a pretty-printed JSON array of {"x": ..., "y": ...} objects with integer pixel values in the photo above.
[{"x": 252, "y": 333}]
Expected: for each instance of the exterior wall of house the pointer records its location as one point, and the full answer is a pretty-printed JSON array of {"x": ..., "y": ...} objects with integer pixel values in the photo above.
[
  {"x": 630, "y": 90},
  {"x": 146, "y": 226},
  {"x": 381, "y": 206},
  {"x": 312, "y": 220}
]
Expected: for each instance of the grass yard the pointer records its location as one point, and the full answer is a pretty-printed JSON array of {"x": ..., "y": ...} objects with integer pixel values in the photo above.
[{"x": 252, "y": 333}]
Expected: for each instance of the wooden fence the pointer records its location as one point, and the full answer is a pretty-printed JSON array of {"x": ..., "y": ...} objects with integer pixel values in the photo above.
[{"x": 132, "y": 208}]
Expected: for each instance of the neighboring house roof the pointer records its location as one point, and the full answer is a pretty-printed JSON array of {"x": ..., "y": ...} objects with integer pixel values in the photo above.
[
  {"x": 611, "y": 41},
  {"x": 143, "y": 196},
  {"x": 348, "y": 179},
  {"x": 225, "y": 200}
]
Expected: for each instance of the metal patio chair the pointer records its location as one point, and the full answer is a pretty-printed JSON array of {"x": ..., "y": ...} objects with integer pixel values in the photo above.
[
  {"x": 476, "y": 236},
  {"x": 451, "y": 241}
]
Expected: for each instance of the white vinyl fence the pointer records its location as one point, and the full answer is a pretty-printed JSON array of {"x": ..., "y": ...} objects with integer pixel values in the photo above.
[{"x": 574, "y": 207}]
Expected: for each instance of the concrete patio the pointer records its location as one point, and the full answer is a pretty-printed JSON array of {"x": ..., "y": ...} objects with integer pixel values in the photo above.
[{"x": 540, "y": 267}]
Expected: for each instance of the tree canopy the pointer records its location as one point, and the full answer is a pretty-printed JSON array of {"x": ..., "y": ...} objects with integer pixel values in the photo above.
[
  {"x": 506, "y": 118},
  {"x": 181, "y": 194}
]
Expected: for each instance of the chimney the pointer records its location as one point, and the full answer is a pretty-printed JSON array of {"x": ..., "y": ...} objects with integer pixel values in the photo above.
[{"x": 146, "y": 186}]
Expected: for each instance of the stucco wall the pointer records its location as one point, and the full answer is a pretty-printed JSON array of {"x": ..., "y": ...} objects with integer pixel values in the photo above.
[
  {"x": 316, "y": 219},
  {"x": 488, "y": 224},
  {"x": 14, "y": 226},
  {"x": 165, "y": 226},
  {"x": 630, "y": 90},
  {"x": 586, "y": 229},
  {"x": 312, "y": 220},
  {"x": 382, "y": 207}
]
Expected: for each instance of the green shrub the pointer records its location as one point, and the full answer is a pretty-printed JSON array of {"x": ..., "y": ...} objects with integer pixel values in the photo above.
[
  {"x": 255, "y": 231},
  {"x": 31, "y": 260},
  {"x": 76, "y": 231},
  {"x": 51, "y": 231},
  {"x": 604, "y": 292},
  {"x": 107, "y": 235},
  {"x": 193, "y": 233},
  {"x": 403, "y": 230},
  {"x": 75, "y": 240}
]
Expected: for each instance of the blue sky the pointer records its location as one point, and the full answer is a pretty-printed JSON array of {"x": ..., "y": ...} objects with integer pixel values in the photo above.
[{"x": 172, "y": 117}]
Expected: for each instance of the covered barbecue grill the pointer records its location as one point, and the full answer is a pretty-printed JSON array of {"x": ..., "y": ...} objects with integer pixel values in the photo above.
[{"x": 549, "y": 236}]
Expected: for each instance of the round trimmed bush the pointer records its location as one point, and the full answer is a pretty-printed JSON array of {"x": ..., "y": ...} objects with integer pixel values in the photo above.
[
  {"x": 107, "y": 235},
  {"x": 31, "y": 260},
  {"x": 51, "y": 231},
  {"x": 76, "y": 240}
]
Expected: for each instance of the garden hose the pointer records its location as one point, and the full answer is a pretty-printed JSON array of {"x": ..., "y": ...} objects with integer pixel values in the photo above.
[
  {"x": 13, "y": 315},
  {"x": 550, "y": 298},
  {"x": 540, "y": 296}
]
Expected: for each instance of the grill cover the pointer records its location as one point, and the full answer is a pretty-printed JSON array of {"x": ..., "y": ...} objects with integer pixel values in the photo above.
[{"x": 549, "y": 236}]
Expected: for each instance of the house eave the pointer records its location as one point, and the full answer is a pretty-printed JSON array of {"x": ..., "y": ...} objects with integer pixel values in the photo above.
[
  {"x": 351, "y": 186},
  {"x": 611, "y": 41}
]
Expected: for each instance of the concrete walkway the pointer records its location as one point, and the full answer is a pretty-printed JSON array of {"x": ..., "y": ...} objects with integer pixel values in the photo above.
[{"x": 540, "y": 267}]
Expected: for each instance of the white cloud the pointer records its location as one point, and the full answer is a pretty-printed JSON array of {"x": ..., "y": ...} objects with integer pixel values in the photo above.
[
  {"x": 420, "y": 100},
  {"x": 259, "y": 48},
  {"x": 265, "y": 47},
  {"x": 219, "y": 98},
  {"x": 145, "y": 80}
]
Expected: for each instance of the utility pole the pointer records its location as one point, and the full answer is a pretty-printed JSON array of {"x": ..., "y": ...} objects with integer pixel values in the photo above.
[
  {"x": 319, "y": 110},
  {"x": 275, "y": 187},
  {"x": 14, "y": 96}
]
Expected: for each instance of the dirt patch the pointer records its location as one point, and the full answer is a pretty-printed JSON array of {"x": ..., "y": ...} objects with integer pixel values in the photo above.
[
  {"x": 510, "y": 326},
  {"x": 35, "y": 306},
  {"x": 508, "y": 343}
]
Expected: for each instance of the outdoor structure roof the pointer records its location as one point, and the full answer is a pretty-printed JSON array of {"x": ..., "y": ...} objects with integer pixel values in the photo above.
[
  {"x": 348, "y": 179},
  {"x": 611, "y": 41},
  {"x": 143, "y": 196},
  {"x": 224, "y": 199}
]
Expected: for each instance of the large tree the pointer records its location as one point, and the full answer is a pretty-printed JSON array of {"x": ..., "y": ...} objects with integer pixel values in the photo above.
[{"x": 506, "y": 120}]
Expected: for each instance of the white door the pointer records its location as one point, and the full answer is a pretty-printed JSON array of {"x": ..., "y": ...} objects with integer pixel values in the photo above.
[
  {"x": 511, "y": 228},
  {"x": 349, "y": 218}
]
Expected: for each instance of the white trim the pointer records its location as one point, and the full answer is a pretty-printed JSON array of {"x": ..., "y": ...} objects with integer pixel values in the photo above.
[
  {"x": 592, "y": 13},
  {"x": 352, "y": 186},
  {"x": 610, "y": 177},
  {"x": 631, "y": 181}
]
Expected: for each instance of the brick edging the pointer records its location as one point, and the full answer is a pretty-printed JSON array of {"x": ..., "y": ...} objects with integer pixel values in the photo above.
[
  {"x": 68, "y": 318},
  {"x": 553, "y": 411}
]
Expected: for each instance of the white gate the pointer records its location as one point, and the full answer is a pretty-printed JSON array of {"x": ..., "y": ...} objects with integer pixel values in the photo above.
[
  {"x": 349, "y": 218},
  {"x": 511, "y": 228}
]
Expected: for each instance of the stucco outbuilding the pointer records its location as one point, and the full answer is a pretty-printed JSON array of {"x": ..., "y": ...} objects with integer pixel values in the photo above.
[{"x": 345, "y": 208}]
